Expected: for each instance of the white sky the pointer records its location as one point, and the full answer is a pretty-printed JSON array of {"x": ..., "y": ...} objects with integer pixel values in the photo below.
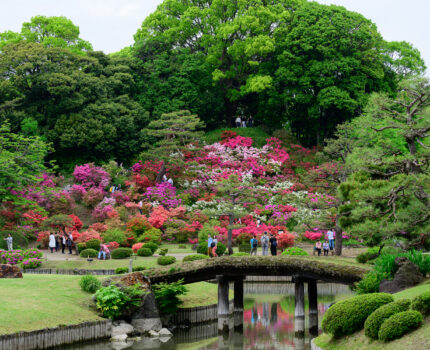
[{"x": 110, "y": 24}]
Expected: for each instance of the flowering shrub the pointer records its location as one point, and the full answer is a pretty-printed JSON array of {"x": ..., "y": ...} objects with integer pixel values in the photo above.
[
  {"x": 91, "y": 176},
  {"x": 136, "y": 247},
  {"x": 285, "y": 240},
  {"x": 313, "y": 235},
  {"x": 238, "y": 141},
  {"x": 93, "y": 196},
  {"x": 120, "y": 197},
  {"x": 31, "y": 263},
  {"x": 138, "y": 225},
  {"x": 77, "y": 223},
  {"x": 12, "y": 257},
  {"x": 78, "y": 192},
  {"x": 99, "y": 227},
  {"x": 164, "y": 194},
  {"x": 158, "y": 217},
  {"x": 112, "y": 245},
  {"x": 88, "y": 235},
  {"x": 32, "y": 253}
]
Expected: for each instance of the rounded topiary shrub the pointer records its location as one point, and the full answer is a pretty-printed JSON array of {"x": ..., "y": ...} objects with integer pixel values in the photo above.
[
  {"x": 220, "y": 248},
  {"x": 81, "y": 246},
  {"x": 202, "y": 248},
  {"x": 121, "y": 270},
  {"x": 121, "y": 253},
  {"x": 294, "y": 251},
  {"x": 399, "y": 324},
  {"x": 144, "y": 252},
  {"x": 348, "y": 316},
  {"x": 421, "y": 303},
  {"x": 93, "y": 244},
  {"x": 375, "y": 320},
  {"x": 89, "y": 283},
  {"x": 89, "y": 253},
  {"x": 245, "y": 248},
  {"x": 240, "y": 254},
  {"x": 195, "y": 257},
  {"x": 166, "y": 260},
  {"x": 152, "y": 246}
]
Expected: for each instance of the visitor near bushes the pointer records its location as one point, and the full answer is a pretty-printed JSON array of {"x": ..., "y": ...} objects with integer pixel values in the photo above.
[
  {"x": 210, "y": 241},
  {"x": 104, "y": 251},
  {"x": 214, "y": 246},
  {"x": 273, "y": 245},
  {"x": 330, "y": 237},
  {"x": 9, "y": 242},
  {"x": 52, "y": 242},
  {"x": 318, "y": 246},
  {"x": 254, "y": 245},
  {"x": 63, "y": 243},
  {"x": 265, "y": 244},
  {"x": 325, "y": 248},
  {"x": 70, "y": 243}
]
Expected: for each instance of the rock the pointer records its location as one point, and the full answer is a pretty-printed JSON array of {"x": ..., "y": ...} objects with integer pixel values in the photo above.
[
  {"x": 128, "y": 280},
  {"x": 164, "y": 332},
  {"x": 153, "y": 334},
  {"x": 143, "y": 325},
  {"x": 122, "y": 328},
  {"x": 408, "y": 275},
  {"x": 10, "y": 271},
  {"x": 119, "y": 338},
  {"x": 147, "y": 318}
]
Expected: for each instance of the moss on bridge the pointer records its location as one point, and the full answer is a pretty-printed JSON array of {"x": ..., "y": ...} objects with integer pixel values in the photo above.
[{"x": 331, "y": 270}]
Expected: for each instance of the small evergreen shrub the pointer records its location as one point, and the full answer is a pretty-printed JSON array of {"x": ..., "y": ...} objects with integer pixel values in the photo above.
[
  {"x": 348, "y": 316},
  {"x": 240, "y": 254},
  {"x": 138, "y": 268},
  {"x": 421, "y": 303},
  {"x": 81, "y": 246},
  {"x": 166, "y": 260},
  {"x": 245, "y": 248},
  {"x": 89, "y": 253},
  {"x": 370, "y": 283},
  {"x": 144, "y": 252},
  {"x": 121, "y": 270},
  {"x": 182, "y": 246},
  {"x": 202, "y": 248},
  {"x": 89, "y": 283},
  {"x": 152, "y": 246},
  {"x": 167, "y": 295},
  {"x": 399, "y": 324},
  {"x": 163, "y": 251},
  {"x": 121, "y": 253},
  {"x": 375, "y": 320},
  {"x": 294, "y": 251},
  {"x": 194, "y": 257},
  {"x": 220, "y": 248},
  {"x": 93, "y": 244}
]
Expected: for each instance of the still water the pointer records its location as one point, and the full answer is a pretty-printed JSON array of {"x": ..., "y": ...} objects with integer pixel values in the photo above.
[{"x": 268, "y": 323}]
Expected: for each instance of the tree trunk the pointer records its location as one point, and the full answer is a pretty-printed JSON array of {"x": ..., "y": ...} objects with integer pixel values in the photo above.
[
  {"x": 338, "y": 231},
  {"x": 230, "y": 234},
  {"x": 161, "y": 174},
  {"x": 230, "y": 112}
]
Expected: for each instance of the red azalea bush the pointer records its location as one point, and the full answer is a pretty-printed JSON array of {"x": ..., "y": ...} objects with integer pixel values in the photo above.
[
  {"x": 77, "y": 223},
  {"x": 120, "y": 197},
  {"x": 93, "y": 196},
  {"x": 158, "y": 217},
  {"x": 285, "y": 240},
  {"x": 87, "y": 235},
  {"x": 78, "y": 192},
  {"x": 138, "y": 225},
  {"x": 99, "y": 227},
  {"x": 112, "y": 245},
  {"x": 136, "y": 247},
  {"x": 239, "y": 141},
  {"x": 313, "y": 235}
]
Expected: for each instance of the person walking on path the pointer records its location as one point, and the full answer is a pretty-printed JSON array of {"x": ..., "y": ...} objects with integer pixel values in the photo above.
[
  {"x": 70, "y": 242},
  {"x": 210, "y": 241},
  {"x": 57, "y": 241},
  {"x": 52, "y": 243},
  {"x": 273, "y": 245},
  {"x": 318, "y": 247},
  {"x": 325, "y": 248},
  {"x": 104, "y": 251},
  {"x": 330, "y": 237},
  {"x": 214, "y": 246},
  {"x": 238, "y": 122},
  {"x": 9, "y": 242},
  {"x": 63, "y": 242},
  {"x": 254, "y": 245},
  {"x": 265, "y": 244}
]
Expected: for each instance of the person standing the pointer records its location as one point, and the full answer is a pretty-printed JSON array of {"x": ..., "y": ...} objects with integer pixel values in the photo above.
[
  {"x": 250, "y": 122},
  {"x": 9, "y": 242},
  {"x": 104, "y": 250},
  {"x": 52, "y": 243},
  {"x": 214, "y": 246},
  {"x": 140, "y": 205},
  {"x": 265, "y": 244},
  {"x": 57, "y": 241},
  {"x": 63, "y": 242},
  {"x": 273, "y": 245},
  {"x": 238, "y": 122},
  {"x": 243, "y": 123},
  {"x": 254, "y": 245},
  {"x": 325, "y": 248},
  {"x": 210, "y": 241},
  {"x": 70, "y": 242},
  {"x": 318, "y": 246},
  {"x": 330, "y": 237}
]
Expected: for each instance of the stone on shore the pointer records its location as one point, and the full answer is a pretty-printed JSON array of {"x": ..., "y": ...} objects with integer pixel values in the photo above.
[
  {"x": 408, "y": 275},
  {"x": 122, "y": 328},
  {"x": 10, "y": 271},
  {"x": 164, "y": 332}
]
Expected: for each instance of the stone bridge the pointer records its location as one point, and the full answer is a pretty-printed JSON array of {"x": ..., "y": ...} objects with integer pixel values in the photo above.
[{"x": 302, "y": 269}]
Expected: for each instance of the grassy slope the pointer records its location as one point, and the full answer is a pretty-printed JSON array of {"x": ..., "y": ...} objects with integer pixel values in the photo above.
[
  {"x": 259, "y": 136},
  {"x": 418, "y": 340},
  {"x": 201, "y": 294},
  {"x": 40, "y": 301}
]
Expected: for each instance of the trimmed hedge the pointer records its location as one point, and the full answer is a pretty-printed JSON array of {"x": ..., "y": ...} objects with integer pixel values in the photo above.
[
  {"x": 202, "y": 249},
  {"x": 245, "y": 248},
  {"x": 400, "y": 324},
  {"x": 220, "y": 248},
  {"x": 93, "y": 244},
  {"x": 377, "y": 318},
  {"x": 421, "y": 303},
  {"x": 194, "y": 257},
  {"x": 151, "y": 246},
  {"x": 89, "y": 253},
  {"x": 348, "y": 316},
  {"x": 294, "y": 251},
  {"x": 81, "y": 246},
  {"x": 144, "y": 252},
  {"x": 240, "y": 254},
  {"x": 121, "y": 253},
  {"x": 166, "y": 260},
  {"x": 121, "y": 270}
]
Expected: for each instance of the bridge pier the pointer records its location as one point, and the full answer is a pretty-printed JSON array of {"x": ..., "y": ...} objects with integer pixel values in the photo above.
[
  {"x": 313, "y": 307},
  {"x": 223, "y": 304},
  {"x": 238, "y": 303}
]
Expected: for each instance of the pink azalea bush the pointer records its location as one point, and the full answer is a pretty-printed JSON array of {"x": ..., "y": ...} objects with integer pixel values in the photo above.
[{"x": 91, "y": 176}]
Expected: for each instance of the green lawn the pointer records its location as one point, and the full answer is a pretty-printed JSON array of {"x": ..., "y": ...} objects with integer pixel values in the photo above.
[
  {"x": 201, "y": 294},
  {"x": 40, "y": 301},
  {"x": 419, "y": 339}
]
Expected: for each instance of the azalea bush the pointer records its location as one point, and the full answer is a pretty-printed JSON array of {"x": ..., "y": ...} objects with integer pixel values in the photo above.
[
  {"x": 31, "y": 263},
  {"x": 12, "y": 257}
]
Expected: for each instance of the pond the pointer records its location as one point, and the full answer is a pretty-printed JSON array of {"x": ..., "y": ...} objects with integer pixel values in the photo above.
[{"x": 268, "y": 323}]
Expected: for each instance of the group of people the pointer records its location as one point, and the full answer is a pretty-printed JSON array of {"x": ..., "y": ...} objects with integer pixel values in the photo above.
[
  {"x": 242, "y": 122},
  {"x": 65, "y": 239},
  {"x": 265, "y": 242},
  {"x": 326, "y": 246},
  {"x": 112, "y": 189},
  {"x": 212, "y": 245}
]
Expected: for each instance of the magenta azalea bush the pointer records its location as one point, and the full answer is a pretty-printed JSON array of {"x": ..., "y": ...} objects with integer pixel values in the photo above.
[
  {"x": 31, "y": 263},
  {"x": 91, "y": 176}
]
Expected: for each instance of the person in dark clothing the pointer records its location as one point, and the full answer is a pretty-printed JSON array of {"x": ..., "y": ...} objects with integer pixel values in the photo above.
[
  {"x": 273, "y": 245},
  {"x": 63, "y": 242},
  {"x": 70, "y": 243}
]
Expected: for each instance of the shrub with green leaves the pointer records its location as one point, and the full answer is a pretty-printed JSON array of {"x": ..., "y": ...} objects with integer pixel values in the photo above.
[
  {"x": 419, "y": 259},
  {"x": 166, "y": 260},
  {"x": 370, "y": 283},
  {"x": 138, "y": 268},
  {"x": 348, "y": 316},
  {"x": 113, "y": 235},
  {"x": 294, "y": 251},
  {"x": 240, "y": 254},
  {"x": 144, "y": 252},
  {"x": 152, "y": 246},
  {"x": 163, "y": 251},
  {"x": 194, "y": 257},
  {"x": 399, "y": 324},
  {"x": 93, "y": 244},
  {"x": 81, "y": 247},
  {"x": 89, "y": 283},
  {"x": 167, "y": 295},
  {"x": 89, "y": 253},
  {"x": 421, "y": 303},
  {"x": 245, "y": 248},
  {"x": 121, "y": 270},
  {"x": 202, "y": 248},
  {"x": 121, "y": 253},
  {"x": 182, "y": 246},
  {"x": 220, "y": 248},
  {"x": 375, "y": 320}
]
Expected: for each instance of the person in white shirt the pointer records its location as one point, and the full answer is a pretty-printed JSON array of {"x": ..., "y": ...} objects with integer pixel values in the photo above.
[
  {"x": 330, "y": 237},
  {"x": 52, "y": 242},
  {"x": 238, "y": 122}
]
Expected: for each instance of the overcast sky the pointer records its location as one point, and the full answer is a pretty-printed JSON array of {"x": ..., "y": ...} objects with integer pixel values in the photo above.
[{"x": 110, "y": 24}]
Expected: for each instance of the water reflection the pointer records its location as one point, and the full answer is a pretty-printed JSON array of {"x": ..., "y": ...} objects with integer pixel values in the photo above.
[{"x": 268, "y": 323}]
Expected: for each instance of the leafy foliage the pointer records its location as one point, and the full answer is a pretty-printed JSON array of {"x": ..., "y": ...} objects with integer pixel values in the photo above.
[
  {"x": 166, "y": 260},
  {"x": 194, "y": 257},
  {"x": 144, "y": 252},
  {"x": 88, "y": 253},
  {"x": 421, "y": 303},
  {"x": 400, "y": 324},
  {"x": 294, "y": 251},
  {"x": 167, "y": 294},
  {"x": 121, "y": 253},
  {"x": 89, "y": 283}
]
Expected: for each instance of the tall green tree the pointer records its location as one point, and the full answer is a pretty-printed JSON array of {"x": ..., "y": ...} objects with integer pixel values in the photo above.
[{"x": 50, "y": 32}]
